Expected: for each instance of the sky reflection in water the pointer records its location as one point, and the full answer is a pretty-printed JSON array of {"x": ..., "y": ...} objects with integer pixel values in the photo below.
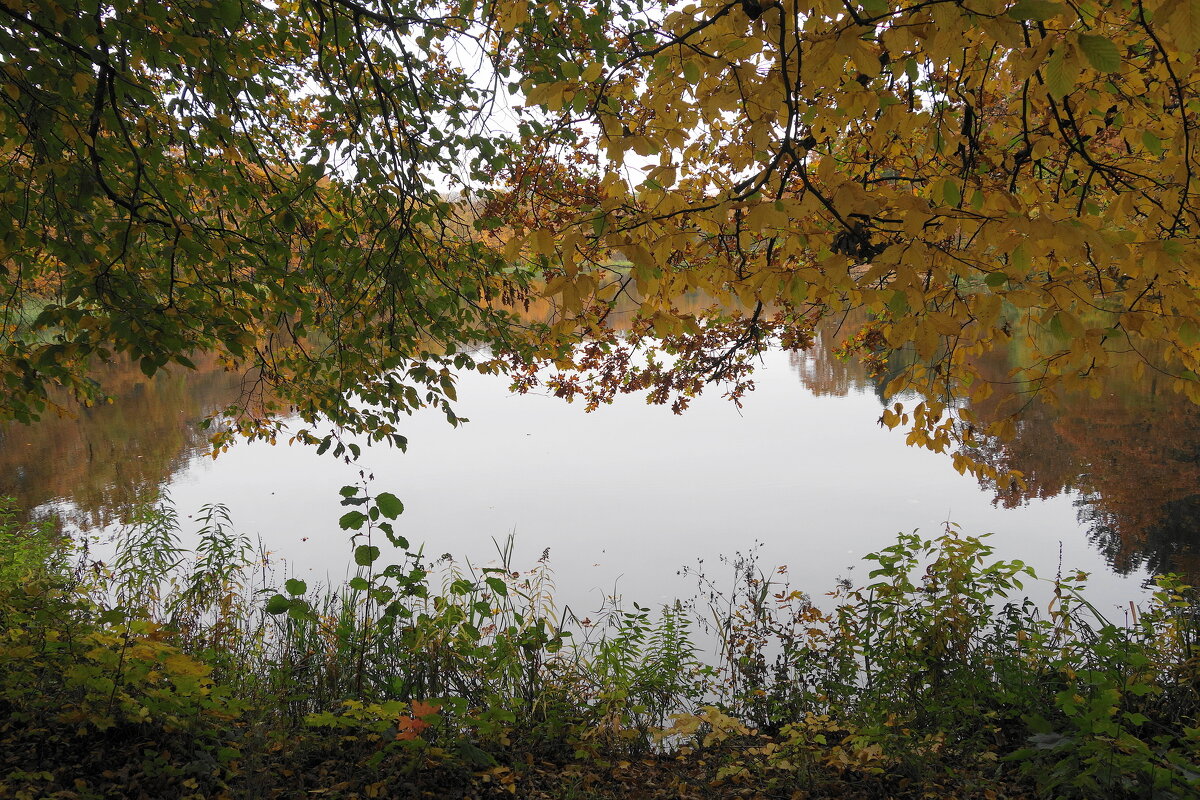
[{"x": 623, "y": 497}]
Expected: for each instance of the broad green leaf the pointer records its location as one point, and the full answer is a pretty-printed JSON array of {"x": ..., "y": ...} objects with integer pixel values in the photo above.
[
  {"x": 472, "y": 755},
  {"x": 951, "y": 194},
  {"x": 1056, "y": 327},
  {"x": 365, "y": 555},
  {"x": 229, "y": 12},
  {"x": 278, "y": 604},
  {"x": 1101, "y": 53},
  {"x": 352, "y": 520},
  {"x": 1058, "y": 82},
  {"x": 300, "y": 610},
  {"x": 295, "y": 586},
  {"x": 389, "y": 505}
]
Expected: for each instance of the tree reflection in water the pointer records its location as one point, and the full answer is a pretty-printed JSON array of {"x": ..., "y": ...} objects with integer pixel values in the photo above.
[
  {"x": 107, "y": 458},
  {"x": 1131, "y": 455}
]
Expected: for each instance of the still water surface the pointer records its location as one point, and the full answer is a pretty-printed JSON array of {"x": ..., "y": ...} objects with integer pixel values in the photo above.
[{"x": 626, "y": 496}]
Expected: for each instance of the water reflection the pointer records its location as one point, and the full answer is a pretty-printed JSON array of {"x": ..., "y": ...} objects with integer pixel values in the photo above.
[
  {"x": 1130, "y": 457},
  {"x": 107, "y": 458},
  {"x": 825, "y": 374}
]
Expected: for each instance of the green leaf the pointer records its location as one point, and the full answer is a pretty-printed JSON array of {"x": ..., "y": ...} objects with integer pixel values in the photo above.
[
  {"x": 295, "y": 586},
  {"x": 359, "y": 583},
  {"x": 1036, "y": 10},
  {"x": 472, "y": 755},
  {"x": 1056, "y": 327},
  {"x": 348, "y": 491},
  {"x": 278, "y": 604},
  {"x": 389, "y": 505},
  {"x": 951, "y": 194},
  {"x": 498, "y": 586},
  {"x": 1019, "y": 259},
  {"x": 1101, "y": 52},
  {"x": 1152, "y": 143},
  {"x": 229, "y": 12},
  {"x": 1058, "y": 83},
  {"x": 301, "y": 610},
  {"x": 365, "y": 555},
  {"x": 352, "y": 519},
  {"x": 148, "y": 367},
  {"x": 691, "y": 72},
  {"x": 398, "y": 541},
  {"x": 227, "y": 754},
  {"x": 996, "y": 279}
]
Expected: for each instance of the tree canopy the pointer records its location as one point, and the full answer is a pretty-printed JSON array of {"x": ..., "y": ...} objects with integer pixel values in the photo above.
[{"x": 354, "y": 198}]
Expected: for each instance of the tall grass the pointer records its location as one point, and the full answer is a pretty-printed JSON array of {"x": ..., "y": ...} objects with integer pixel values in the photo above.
[
  {"x": 936, "y": 669},
  {"x": 28, "y": 547}
]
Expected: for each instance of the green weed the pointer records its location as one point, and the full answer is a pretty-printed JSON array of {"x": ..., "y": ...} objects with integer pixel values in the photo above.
[{"x": 934, "y": 674}]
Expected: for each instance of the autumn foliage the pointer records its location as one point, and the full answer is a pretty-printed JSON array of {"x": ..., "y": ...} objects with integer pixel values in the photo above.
[
  {"x": 343, "y": 195},
  {"x": 968, "y": 175}
]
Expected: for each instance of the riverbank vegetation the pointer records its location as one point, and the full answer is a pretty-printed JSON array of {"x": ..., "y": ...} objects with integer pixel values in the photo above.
[{"x": 200, "y": 674}]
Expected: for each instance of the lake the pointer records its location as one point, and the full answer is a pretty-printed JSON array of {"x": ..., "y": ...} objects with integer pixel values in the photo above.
[{"x": 626, "y": 496}]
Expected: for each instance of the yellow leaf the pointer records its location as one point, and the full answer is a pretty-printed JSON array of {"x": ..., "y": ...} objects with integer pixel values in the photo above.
[
  {"x": 542, "y": 241},
  {"x": 1183, "y": 24},
  {"x": 765, "y": 215}
]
